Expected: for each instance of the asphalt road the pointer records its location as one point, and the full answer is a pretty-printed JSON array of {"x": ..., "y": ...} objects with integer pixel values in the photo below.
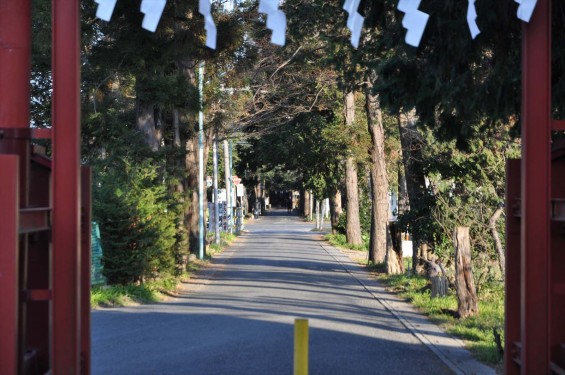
[{"x": 237, "y": 318}]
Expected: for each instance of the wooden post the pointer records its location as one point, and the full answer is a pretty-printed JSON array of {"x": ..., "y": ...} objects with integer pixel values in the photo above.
[
  {"x": 464, "y": 283},
  {"x": 439, "y": 286}
]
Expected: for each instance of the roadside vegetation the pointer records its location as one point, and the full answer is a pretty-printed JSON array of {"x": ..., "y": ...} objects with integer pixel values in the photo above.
[
  {"x": 483, "y": 333},
  {"x": 155, "y": 290}
]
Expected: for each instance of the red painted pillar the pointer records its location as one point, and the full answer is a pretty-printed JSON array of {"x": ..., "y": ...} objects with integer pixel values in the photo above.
[
  {"x": 15, "y": 55},
  {"x": 536, "y": 188},
  {"x": 9, "y": 257},
  {"x": 512, "y": 302},
  {"x": 15, "y": 67},
  {"x": 15, "y": 62},
  {"x": 66, "y": 280}
]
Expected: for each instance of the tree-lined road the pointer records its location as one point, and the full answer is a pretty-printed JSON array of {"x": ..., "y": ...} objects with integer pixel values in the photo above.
[{"x": 238, "y": 316}]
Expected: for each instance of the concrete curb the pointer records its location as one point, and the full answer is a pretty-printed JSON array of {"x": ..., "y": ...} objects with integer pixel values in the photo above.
[{"x": 448, "y": 349}]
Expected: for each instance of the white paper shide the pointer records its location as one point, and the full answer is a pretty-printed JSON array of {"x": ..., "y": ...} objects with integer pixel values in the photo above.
[
  {"x": 205, "y": 8},
  {"x": 526, "y": 9},
  {"x": 472, "y": 19},
  {"x": 276, "y": 20},
  {"x": 414, "y": 21},
  {"x": 354, "y": 21},
  {"x": 105, "y": 9},
  {"x": 153, "y": 10}
]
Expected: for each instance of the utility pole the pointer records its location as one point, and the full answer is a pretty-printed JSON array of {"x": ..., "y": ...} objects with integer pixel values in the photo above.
[
  {"x": 201, "y": 163},
  {"x": 227, "y": 174},
  {"x": 215, "y": 184}
]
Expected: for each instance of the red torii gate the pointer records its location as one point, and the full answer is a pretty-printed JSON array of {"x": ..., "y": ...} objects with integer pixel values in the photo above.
[
  {"x": 46, "y": 304},
  {"x": 44, "y": 267},
  {"x": 535, "y": 211}
]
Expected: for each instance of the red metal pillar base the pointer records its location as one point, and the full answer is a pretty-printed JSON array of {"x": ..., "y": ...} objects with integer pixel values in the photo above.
[{"x": 9, "y": 260}]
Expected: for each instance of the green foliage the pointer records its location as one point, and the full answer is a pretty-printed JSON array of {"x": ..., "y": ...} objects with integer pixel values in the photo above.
[
  {"x": 339, "y": 240},
  {"x": 364, "y": 218},
  {"x": 136, "y": 211},
  {"x": 121, "y": 295},
  {"x": 138, "y": 231}
]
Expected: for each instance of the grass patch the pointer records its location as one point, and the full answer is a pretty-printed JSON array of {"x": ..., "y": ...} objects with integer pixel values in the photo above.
[
  {"x": 152, "y": 291},
  {"x": 479, "y": 331},
  {"x": 225, "y": 240},
  {"x": 122, "y": 295},
  {"x": 339, "y": 240}
]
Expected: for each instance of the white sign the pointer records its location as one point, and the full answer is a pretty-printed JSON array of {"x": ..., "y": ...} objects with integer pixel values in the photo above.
[
  {"x": 209, "y": 181},
  {"x": 222, "y": 197},
  {"x": 239, "y": 190}
]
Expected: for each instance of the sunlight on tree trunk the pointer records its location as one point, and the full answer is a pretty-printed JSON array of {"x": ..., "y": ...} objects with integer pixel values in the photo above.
[
  {"x": 318, "y": 215},
  {"x": 307, "y": 205},
  {"x": 497, "y": 243},
  {"x": 353, "y": 226},
  {"x": 379, "y": 182},
  {"x": 464, "y": 283},
  {"x": 335, "y": 209}
]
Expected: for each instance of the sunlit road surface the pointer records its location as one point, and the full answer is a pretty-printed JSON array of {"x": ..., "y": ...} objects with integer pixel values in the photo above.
[{"x": 238, "y": 316}]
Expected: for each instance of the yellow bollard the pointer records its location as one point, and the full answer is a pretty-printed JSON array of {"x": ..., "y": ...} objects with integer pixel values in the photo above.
[{"x": 301, "y": 347}]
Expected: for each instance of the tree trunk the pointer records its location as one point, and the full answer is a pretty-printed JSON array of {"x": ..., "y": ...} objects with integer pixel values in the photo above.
[
  {"x": 182, "y": 232},
  {"x": 464, "y": 283},
  {"x": 187, "y": 67},
  {"x": 302, "y": 203},
  {"x": 318, "y": 216},
  {"x": 403, "y": 206},
  {"x": 335, "y": 209},
  {"x": 324, "y": 212},
  {"x": 353, "y": 226},
  {"x": 411, "y": 144},
  {"x": 497, "y": 242},
  {"x": 257, "y": 205},
  {"x": 311, "y": 205},
  {"x": 191, "y": 215},
  {"x": 394, "y": 263},
  {"x": 176, "y": 128},
  {"x": 192, "y": 172},
  {"x": 307, "y": 208},
  {"x": 228, "y": 181},
  {"x": 145, "y": 121},
  {"x": 379, "y": 182}
]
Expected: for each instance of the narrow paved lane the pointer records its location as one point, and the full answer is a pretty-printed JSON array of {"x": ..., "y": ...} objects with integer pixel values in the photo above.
[{"x": 238, "y": 317}]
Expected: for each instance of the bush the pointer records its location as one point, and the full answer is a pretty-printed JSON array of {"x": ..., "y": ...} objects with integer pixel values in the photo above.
[
  {"x": 137, "y": 229},
  {"x": 365, "y": 220}
]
